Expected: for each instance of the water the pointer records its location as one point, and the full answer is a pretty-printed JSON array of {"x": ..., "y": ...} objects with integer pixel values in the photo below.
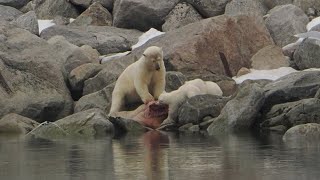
[{"x": 156, "y": 155}]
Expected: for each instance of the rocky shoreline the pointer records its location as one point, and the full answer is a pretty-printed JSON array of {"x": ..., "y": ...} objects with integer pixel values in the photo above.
[{"x": 52, "y": 84}]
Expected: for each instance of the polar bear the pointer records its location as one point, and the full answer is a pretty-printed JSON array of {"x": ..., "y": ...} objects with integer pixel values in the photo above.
[
  {"x": 142, "y": 81},
  {"x": 189, "y": 89}
]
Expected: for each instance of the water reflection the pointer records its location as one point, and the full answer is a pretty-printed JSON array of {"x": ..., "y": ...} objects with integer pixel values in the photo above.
[{"x": 157, "y": 155}]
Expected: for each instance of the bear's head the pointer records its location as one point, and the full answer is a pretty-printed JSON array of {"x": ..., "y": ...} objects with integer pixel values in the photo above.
[
  {"x": 153, "y": 57},
  {"x": 164, "y": 98}
]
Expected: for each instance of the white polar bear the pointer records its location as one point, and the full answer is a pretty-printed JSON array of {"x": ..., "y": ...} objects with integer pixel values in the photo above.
[
  {"x": 142, "y": 81},
  {"x": 189, "y": 89}
]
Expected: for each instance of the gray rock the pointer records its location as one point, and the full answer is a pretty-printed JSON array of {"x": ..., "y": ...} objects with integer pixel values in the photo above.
[
  {"x": 246, "y": 7},
  {"x": 284, "y": 22},
  {"x": 306, "y": 4},
  {"x": 181, "y": 15},
  {"x": 127, "y": 126},
  {"x": 293, "y": 87},
  {"x": 48, "y": 9},
  {"x": 32, "y": 83},
  {"x": 14, "y": 123},
  {"x": 29, "y": 22},
  {"x": 14, "y": 3},
  {"x": 128, "y": 13},
  {"x": 209, "y": 8},
  {"x": 105, "y": 39},
  {"x": 30, "y": 6},
  {"x": 303, "y": 133},
  {"x": 240, "y": 113},
  {"x": 88, "y": 124},
  {"x": 185, "y": 127},
  {"x": 317, "y": 95},
  {"x": 91, "y": 53},
  {"x": 174, "y": 80},
  {"x": 200, "y": 106},
  {"x": 95, "y": 15},
  {"x": 80, "y": 74},
  {"x": 100, "y": 99},
  {"x": 60, "y": 20},
  {"x": 307, "y": 55},
  {"x": 9, "y": 13},
  {"x": 292, "y": 114},
  {"x": 273, "y": 3},
  {"x": 86, "y": 3},
  {"x": 269, "y": 57}
]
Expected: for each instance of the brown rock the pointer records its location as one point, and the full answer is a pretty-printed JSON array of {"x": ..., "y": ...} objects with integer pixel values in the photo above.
[
  {"x": 243, "y": 71},
  {"x": 269, "y": 57}
]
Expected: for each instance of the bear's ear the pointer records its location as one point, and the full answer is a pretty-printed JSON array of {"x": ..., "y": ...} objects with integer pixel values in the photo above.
[{"x": 143, "y": 55}]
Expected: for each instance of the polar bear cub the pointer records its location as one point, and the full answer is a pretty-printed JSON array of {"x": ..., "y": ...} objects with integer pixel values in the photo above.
[
  {"x": 189, "y": 89},
  {"x": 142, "y": 81}
]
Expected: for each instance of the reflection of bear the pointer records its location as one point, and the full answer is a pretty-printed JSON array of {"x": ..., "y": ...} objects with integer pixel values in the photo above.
[
  {"x": 142, "y": 81},
  {"x": 189, "y": 89}
]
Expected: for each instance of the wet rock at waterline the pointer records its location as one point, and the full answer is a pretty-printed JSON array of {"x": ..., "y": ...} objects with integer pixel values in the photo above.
[
  {"x": 304, "y": 133},
  {"x": 16, "y": 124}
]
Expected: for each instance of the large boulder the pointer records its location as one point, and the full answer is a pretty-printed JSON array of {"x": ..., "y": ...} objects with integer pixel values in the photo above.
[
  {"x": 292, "y": 87},
  {"x": 100, "y": 99},
  {"x": 14, "y": 123},
  {"x": 239, "y": 113},
  {"x": 197, "y": 107},
  {"x": 141, "y": 15},
  {"x": 32, "y": 83},
  {"x": 209, "y": 8},
  {"x": 284, "y": 22},
  {"x": 29, "y": 22},
  {"x": 86, "y": 3},
  {"x": 92, "y": 123},
  {"x": 9, "y": 13},
  {"x": 292, "y": 114},
  {"x": 304, "y": 133},
  {"x": 218, "y": 45},
  {"x": 181, "y": 15},
  {"x": 48, "y": 9},
  {"x": 95, "y": 15},
  {"x": 307, "y": 54},
  {"x": 105, "y": 39},
  {"x": 269, "y": 57},
  {"x": 14, "y": 3}
]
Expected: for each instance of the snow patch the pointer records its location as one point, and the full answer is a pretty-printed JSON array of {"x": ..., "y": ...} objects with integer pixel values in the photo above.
[
  {"x": 150, "y": 34},
  {"x": 272, "y": 74},
  {"x": 313, "y": 23},
  {"x": 44, "y": 24},
  {"x": 104, "y": 59}
]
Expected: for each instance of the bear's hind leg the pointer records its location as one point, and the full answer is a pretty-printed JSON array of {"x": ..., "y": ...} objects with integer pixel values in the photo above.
[{"x": 117, "y": 104}]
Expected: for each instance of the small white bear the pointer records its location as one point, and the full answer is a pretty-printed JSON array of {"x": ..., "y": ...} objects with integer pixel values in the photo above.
[
  {"x": 189, "y": 89},
  {"x": 142, "y": 81}
]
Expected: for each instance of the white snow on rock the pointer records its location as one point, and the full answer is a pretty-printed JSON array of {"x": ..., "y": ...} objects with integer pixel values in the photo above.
[
  {"x": 152, "y": 33},
  {"x": 104, "y": 59},
  {"x": 313, "y": 23},
  {"x": 272, "y": 74},
  {"x": 44, "y": 24}
]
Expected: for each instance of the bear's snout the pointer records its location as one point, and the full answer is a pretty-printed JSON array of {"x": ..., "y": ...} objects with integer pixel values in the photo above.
[{"x": 157, "y": 67}]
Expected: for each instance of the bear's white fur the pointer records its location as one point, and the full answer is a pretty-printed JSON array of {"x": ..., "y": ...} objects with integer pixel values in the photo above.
[
  {"x": 142, "y": 81},
  {"x": 189, "y": 89}
]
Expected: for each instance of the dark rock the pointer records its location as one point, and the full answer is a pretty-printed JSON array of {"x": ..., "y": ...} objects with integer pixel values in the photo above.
[
  {"x": 127, "y": 126},
  {"x": 185, "y": 127},
  {"x": 141, "y": 15},
  {"x": 293, "y": 113},
  {"x": 105, "y": 39},
  {"x": 303, "y": 133},
  {"x": 100, "y": 99},
  {"x": 29, "y": 22},
  {"x": 80, "y": 74},
  {"x": 14, "y": 123},
  {"x": 284, "y": 22},
  {"x": 200, "y": 106},
  {"x": 14, "y": 3},
  {"x": 307, "y": 55},
  {"x": 174, "y": 80},
  {"x": 181, "y": 15},
  {"x": 209, "y": 8},
  {"x": 240, "y": 113},
  {"x": 88, "y": 124},
  {"x": 48, "y": 9},
  {"x": 9, "y": 13},
  {"x": 293, "y": 87},
  {"x": 95, "y": 15}
]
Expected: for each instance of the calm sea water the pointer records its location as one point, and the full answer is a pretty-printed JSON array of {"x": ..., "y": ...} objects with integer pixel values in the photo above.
[{"x": 156, "y": 155}]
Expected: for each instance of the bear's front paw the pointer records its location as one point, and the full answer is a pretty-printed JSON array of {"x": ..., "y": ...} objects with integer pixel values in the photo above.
[{"x": 148, "y": 99}]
